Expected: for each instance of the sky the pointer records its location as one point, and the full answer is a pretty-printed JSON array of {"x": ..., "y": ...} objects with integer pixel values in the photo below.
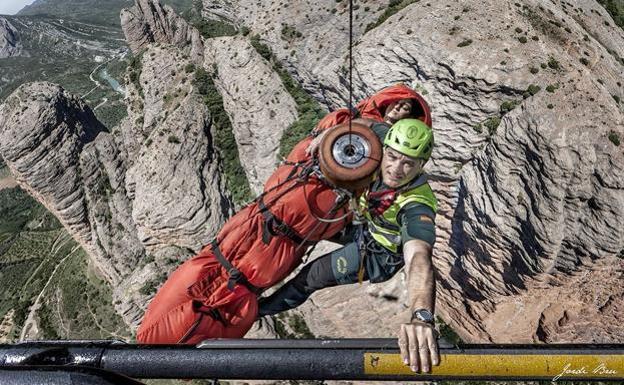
[{"x": 10, "y": 7}]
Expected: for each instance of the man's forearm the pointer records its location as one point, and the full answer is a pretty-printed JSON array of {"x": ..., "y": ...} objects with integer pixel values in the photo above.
[
  {"x": 421, "y": 284},
  {"x": 417, "y": 339}
]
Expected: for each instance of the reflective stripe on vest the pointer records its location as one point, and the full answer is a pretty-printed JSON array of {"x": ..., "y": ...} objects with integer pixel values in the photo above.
[{"x": 385, "y": 229}]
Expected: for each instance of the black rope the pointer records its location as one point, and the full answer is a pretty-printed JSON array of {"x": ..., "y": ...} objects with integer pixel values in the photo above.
[{"x": 350, "y": 64}]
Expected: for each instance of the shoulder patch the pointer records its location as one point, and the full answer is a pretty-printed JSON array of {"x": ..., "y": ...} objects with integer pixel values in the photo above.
[{"x": 426, "y": 218}]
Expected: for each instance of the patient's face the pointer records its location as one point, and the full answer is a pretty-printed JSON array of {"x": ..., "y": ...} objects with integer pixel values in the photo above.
[{"x": 399, "y": 110}]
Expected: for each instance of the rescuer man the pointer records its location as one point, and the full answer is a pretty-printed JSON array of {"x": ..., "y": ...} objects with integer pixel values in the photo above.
[{"x": 398, "y": 229}]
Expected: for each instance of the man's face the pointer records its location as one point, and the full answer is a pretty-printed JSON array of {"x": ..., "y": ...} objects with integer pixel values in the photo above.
[
  {"x": 398, "y": 169},
  {"x": 399, "y": 110}
]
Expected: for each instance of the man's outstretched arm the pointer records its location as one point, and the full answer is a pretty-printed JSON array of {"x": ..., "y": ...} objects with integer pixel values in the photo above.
[{"x": 417, "y": 339}]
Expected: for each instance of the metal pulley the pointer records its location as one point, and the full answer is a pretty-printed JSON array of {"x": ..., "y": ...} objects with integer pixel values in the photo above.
[{"x": 350, "y": 156}]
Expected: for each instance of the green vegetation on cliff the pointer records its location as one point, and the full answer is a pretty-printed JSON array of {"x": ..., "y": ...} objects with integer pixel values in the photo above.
[
  {"x": 393, "y": 7},
  {"x": 308, "y": 110},
  {"x": 224, "y": 137},
  {"x": 615, "y": 9}
]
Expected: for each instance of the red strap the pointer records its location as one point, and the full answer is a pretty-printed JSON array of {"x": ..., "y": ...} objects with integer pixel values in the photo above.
[{"x": 380, "y": 201}]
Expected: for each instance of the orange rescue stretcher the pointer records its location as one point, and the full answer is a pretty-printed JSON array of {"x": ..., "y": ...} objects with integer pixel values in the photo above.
[{"x": 214, "y": 294}]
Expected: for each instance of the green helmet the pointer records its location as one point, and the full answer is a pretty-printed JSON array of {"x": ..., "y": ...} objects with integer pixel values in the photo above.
[{"x": 411, "y": 137}]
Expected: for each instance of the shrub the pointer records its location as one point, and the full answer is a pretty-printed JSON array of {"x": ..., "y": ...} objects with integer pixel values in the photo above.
[
  {"x": 507, "y": 106},
  {"x": 465, "y": 43},
  {"x": 290, "y": 33},
  {"x": 492, "y": 124},
  {"x": 553, "y": 63},
  {"x": 584, "y": 61},
  {"x": 533, "y": 70},
  {"x": 214, "y": 28},
  {"x": 533, "y": 89},
  {"x": 168, "y": 98},
  {"x": 190, "y": 67},
  {"x": 148, "y": 288},
  {"x": 522, "y": 39},
  {"x": 299, "y": 326},
  {"x": 614, "y": 137},
  {"x": 134, "y": 69},
  {"x": 448, "y": 333},
  {"x": 244, "y": 30},
  {"x": 551, "y": 88},
  {"x": 393, "y": 7},
  {"x": 615, "y": 9}
]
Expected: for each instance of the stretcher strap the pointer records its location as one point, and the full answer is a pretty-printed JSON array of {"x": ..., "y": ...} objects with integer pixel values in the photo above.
[
  {"x": 236, "y": 277},
  {"x": 274, "y": 226}
]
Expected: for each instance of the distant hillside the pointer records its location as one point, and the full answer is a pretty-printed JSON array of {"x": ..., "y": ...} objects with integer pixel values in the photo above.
[
  {"x": 616, "y": 9},
  {"x": 90, "y": 11},
  {"x": 68, "y": 53}
]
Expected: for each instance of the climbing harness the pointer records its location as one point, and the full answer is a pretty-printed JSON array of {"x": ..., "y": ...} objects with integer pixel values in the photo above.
[{"x": 273, "y": 226}]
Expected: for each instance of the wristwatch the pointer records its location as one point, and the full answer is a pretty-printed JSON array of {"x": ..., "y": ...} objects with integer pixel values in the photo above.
[{"x": 423, "y": 315}]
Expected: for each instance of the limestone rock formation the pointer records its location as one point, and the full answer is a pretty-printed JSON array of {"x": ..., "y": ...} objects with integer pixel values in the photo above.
[
  {"x": 44, "y": 158},
  {"x": 526, "y": 108},
  {"x": 149, "y": 22},
  {"x": 176, "y": 142},
  {"x": 307, "y": 37},
  {"x": 256, "y": 101},
  {"x": 254, "y": 98},
  {"x": 10, "y": 44},
  {"x": 116, "y": 196}
]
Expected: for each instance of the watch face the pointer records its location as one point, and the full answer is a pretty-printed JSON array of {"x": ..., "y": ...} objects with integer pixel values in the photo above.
[{"x": 423, "y": 315}]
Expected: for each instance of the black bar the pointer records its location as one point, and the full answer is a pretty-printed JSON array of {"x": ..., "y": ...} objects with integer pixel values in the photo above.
[{"x": 265, "y": 359}]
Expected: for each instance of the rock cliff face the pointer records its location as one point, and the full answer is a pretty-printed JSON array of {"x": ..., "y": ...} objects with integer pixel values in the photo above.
[
  {"x": 114, "y": 191},
  {"x": 527, "y": 166},
  {"x": 239, "y": 71},
  {"x": 254, "y": 98},
  {"x": 46, "y": 158},
  {"x": 527, "y": 114},
  {"x": 9, "y": 40},
  {"x": 311, "y": 38},
  {"x": 148, "y": 22}
]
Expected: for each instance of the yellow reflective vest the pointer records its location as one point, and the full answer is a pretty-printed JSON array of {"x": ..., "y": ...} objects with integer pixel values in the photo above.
[{"x": 385, "y": 228}]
